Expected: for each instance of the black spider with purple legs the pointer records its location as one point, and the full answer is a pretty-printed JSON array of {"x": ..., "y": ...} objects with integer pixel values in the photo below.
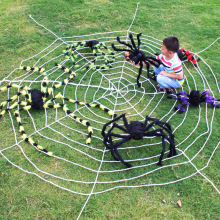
[{"x": 193, "y": 98}]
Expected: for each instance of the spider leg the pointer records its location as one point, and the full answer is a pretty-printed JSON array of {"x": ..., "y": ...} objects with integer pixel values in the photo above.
[
  {"x": 157, "y": 122},
  {"x": 146, "y": 120},
  {"x": 154, "y": 121},
  {"x": 139, "y": 74},
  {"x": 159, "y": 132},
  {"x": 173, "y": 96},
  {"x": 114, "y": 150},
  {"x": 153, "y": 133},
  {"x": 124, "y": 43},
  {"x": 132, "y": 41},
  {"x": 26, "y": 92},
  {"x": 65, "y": 81},
  {"x": 209, "y": 99},
  {"x": 139, "y": 41},
  {"x": 148, "y": 69},
  {"x": 118, "y": 135},
  {"x": 167, "y": 127},
  {"x": 162, "y": 153},
  {"x": 124, "y": 139},
  {"x": 110, "y": 122},
  {"x": 172, "y": 147},
  {"x": 152, "y": 60},
  {"x": 119, "y": 49},
  {"x": 215, "y": 105},
  {"x": 24, "y": 135},
  {"x": 106, "y": 137},
  {"x": 110, "y": 146},
  {"x": 44, "y": 91},
  {"x": 170, "y": 138},
  {"x": 181, "y": 107},
  {"x": 183, "y": 99},
  {"x": 156, "y": 63},
  {"x": 120, "y": 127},
  {"x": 82, "y": 121},
  {"x": 102, "y": 107},
  {"x": 68, "y": 112},
  {"x": 125, "y": 121},
  {"x": 23, "y": 91}
]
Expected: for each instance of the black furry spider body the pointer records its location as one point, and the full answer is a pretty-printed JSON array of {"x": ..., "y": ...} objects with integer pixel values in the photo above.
[
  {"x": 137, "y": 130},
  {"x": 137, "y": 56},
  {"x": 37, "y": 99}
]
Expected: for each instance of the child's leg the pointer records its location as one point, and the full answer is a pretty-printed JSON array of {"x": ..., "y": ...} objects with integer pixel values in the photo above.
[
  {"x": 158, "y": 70},
  {"x": 167, "y": 82}
]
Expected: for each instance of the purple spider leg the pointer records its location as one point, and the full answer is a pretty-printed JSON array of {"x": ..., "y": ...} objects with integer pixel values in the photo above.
[
  {"x": 204, "y": 93},
  {"x": 180, "y": 93},
  {"x": 210, "y": 98},
  {"x": 184, "y": 103}
]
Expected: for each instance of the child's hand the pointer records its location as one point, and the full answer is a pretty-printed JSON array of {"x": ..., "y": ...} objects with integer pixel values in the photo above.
[
  {"x": 146, "y": 64},
  {"x": 133, "y": 63},
  {"x": 127, "y": 55},
  {"x": 163, "y": 73}
]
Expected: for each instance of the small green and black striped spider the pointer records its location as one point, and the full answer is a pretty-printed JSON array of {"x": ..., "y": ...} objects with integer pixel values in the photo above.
[{"x": 97, "y": 51}]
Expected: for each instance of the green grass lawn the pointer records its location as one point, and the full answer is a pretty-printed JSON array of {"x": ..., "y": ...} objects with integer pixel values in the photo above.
[{"x": 23, "y": 195}]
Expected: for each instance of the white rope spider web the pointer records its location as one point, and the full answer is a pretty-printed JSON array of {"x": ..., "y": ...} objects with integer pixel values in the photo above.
[{"x": 88, "y": 170}]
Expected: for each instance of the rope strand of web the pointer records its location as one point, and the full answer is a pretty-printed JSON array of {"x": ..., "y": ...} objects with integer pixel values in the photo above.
[{"x": 103, "y": 155}]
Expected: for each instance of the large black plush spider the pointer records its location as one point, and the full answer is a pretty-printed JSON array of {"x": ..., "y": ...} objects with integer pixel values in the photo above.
[
  {"x": 193, "y": 98},
  {"x": 138, "y": 56},
  {"x": 137, "y": 130}
]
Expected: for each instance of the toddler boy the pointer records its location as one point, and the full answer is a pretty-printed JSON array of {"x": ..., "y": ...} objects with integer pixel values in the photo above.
[{"x": 170, "y": 72}]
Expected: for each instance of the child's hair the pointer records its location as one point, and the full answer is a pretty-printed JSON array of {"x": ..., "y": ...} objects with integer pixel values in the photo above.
[{"x": 171, "y": 43}]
